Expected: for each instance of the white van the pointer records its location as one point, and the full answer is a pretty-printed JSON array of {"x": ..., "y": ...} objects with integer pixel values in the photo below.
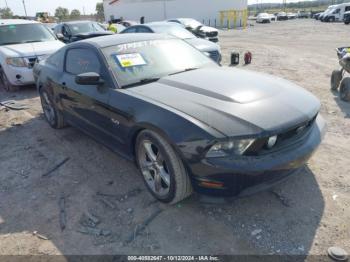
[
  {"x": 22, "y": 43},
  {"x": 329, "y": 9},
  {"x": 337, "y": 13}
]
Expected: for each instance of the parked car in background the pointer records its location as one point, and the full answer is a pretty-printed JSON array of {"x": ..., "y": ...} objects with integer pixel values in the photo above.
[
  {"x": 263, "y": 18},
  {"x": 198, "y": 29},
  {"x": 187, "y": 123},
  {"x": 291, "y": 16},
  {"x": 69, "y": 32},
  {"x": 317, "y": 15},
  {"x": 127, "y": 23},
  {"x": 207, "y": 47},
  {"x": 337, "y": 13},
  {"x": 346, "y": 18},
  {"x": 22, "y": 43},
  {"x": 51, "y": 26},
  {"x": 329, "y": 9},
  {"x": 119, "y": 27},
  {"x": 303, "y": 14},
  {"x": 273, "y": 17},
  {"x": 282, "y": 16}
]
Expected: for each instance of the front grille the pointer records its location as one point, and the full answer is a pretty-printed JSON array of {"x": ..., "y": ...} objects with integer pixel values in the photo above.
[
  {"x": 285, "y": 139},
  {"x": 212, "y": 34},
  {"x": 215, "y": 55},
  {"x": 31, "y": 61}
]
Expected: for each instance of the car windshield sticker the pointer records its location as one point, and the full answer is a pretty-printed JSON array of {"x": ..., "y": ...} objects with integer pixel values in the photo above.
[{"x": 130, "y": 60}]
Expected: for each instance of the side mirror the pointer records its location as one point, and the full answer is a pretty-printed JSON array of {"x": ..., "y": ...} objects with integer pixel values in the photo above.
[
  {"x": 90, "y": 78},
  {"x": 60, "y": 36}
]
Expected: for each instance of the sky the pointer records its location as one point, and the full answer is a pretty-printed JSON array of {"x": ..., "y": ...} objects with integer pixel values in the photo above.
[{"x": 34, "y": 6}]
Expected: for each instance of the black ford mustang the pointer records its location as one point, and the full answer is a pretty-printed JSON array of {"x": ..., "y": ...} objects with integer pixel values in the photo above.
[{"x": 186, "y": 121}]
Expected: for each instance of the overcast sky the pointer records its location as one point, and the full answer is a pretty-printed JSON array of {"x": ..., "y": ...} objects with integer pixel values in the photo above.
[{"x": 34, "y": 6}]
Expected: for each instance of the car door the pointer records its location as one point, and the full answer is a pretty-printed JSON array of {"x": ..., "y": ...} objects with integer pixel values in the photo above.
[{"x": 86, "y": 106}]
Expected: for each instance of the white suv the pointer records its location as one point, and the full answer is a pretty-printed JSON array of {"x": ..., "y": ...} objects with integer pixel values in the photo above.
[{"x": 22, "y": 43}]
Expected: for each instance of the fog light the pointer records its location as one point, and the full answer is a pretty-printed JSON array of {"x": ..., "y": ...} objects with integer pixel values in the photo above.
[{"x": 271, "y": 142}]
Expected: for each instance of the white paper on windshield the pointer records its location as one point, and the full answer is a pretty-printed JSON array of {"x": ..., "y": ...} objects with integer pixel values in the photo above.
[{"x": 129, "y": 60}]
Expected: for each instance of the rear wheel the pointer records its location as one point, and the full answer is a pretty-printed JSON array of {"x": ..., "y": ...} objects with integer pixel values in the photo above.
[
  {"x": 52, "y": 115},
  {"x": 336, "y": 79},
  {"x": 163, "y": 171},
  {"x": 5, "y": 83},
  {"x": 344, "y": 89}
]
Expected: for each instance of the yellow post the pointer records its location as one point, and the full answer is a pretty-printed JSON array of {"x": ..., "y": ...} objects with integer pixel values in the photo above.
[
  {"x": 234, "y": 17},
  {"x": 222, "y": 17},
  {"x": 245, "y": 18}
]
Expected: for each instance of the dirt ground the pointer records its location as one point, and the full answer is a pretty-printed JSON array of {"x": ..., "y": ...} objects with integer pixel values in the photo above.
[{"x": 305, "y": 215}]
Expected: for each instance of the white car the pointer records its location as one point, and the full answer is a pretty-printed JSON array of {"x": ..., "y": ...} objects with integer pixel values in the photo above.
[
  {"x": 263, "y": 18},
  {"x": 22, "y": 43}
]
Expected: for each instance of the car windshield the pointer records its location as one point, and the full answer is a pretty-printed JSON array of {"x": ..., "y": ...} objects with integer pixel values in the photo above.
[
  {"x": 24, "y": 33},
  {"x": 190, "y": 23},
  {"x": 174, "y": 30},
  {"x": 140, "y": 62},
  {"x": 88, "y": 27}
]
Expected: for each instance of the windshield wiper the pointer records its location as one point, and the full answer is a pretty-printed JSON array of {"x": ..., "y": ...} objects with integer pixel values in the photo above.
[
  {"x": 186, "y": 70},
  {"x": 142, "y": 82},
  {"x": 33, "y": 41}
]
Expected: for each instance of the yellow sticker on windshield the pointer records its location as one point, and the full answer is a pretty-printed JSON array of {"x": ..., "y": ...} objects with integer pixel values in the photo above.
[{"x": 129, "y": 60}]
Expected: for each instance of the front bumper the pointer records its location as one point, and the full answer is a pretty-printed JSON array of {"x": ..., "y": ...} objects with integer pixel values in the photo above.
[
  {"x": 238, "y": 175},
  {"x": 19, "y": 76}
]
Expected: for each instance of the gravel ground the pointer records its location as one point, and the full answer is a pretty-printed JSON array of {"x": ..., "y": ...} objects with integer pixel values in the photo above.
[{"x": 305, "y": 215}]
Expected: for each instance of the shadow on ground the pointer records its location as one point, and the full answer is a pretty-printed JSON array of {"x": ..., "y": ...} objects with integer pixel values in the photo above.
[{"x": 95, "y": 180}]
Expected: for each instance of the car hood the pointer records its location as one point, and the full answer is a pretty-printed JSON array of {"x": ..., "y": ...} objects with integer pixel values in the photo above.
[
  {"x": 202, "y": 44},
  {"x": 31, "y": 49},
  {"x": 235, "y": 102}
]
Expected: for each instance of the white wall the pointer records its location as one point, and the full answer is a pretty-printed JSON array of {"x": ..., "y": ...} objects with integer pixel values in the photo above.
[{"x": 155, "y": 10}]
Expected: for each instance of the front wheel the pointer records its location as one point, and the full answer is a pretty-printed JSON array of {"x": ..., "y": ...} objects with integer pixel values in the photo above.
[
  {"x": 336, "y": 79},
  {"x": 163, "y": 171},
  {"x": 52, "y": 115},
  {"x": 344, "y": 89}
]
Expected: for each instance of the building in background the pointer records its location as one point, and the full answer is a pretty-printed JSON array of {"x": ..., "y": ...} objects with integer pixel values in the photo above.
[{"x": 219, "y": 13}]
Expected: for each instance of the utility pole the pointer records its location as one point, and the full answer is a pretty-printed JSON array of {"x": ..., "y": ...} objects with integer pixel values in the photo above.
[
  {"x": 25, "y": 9},
  {"x": 7, "y": 6}
]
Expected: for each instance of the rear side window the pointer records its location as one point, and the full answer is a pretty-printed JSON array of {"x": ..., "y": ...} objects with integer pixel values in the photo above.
[
  {"x": 142, "y": 29},
  {"x": 81, "y": 60},
  {"x": 56, "y": 60},
  {"x": 130, "y": 30},
  {"x": 347, "y": 8}
]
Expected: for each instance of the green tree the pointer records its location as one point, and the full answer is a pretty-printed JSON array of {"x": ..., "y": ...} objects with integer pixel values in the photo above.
[
  {"x": 61, "y": 13},
  {"x": 5, "y": 13},
  {"x": 75, "y": 14},
  {"x": 100, "y": 11}
]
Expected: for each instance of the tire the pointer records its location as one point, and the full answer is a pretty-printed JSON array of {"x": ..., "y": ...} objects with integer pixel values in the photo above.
[
  {"x": 52, "y": 115},
  {"x": 336, "y": 79},
  {"x": 331, "y": 19},
  {"x": 5, "y": 83},
  {"x": 162, "y": 169},
  {"x": 344, "y": 89},
  {"x": 347, "y": 22}
]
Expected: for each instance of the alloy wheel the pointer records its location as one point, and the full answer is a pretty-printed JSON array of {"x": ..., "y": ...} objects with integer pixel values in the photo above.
[{"x": 154, "y": 168}]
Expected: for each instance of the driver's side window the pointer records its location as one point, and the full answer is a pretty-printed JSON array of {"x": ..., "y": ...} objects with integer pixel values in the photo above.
[{"x": 82, "y": 60}]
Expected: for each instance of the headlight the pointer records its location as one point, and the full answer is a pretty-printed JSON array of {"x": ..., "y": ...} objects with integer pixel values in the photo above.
[
  {"x": 230, "y": 147},
  {"x": 16, "y": 61}
]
